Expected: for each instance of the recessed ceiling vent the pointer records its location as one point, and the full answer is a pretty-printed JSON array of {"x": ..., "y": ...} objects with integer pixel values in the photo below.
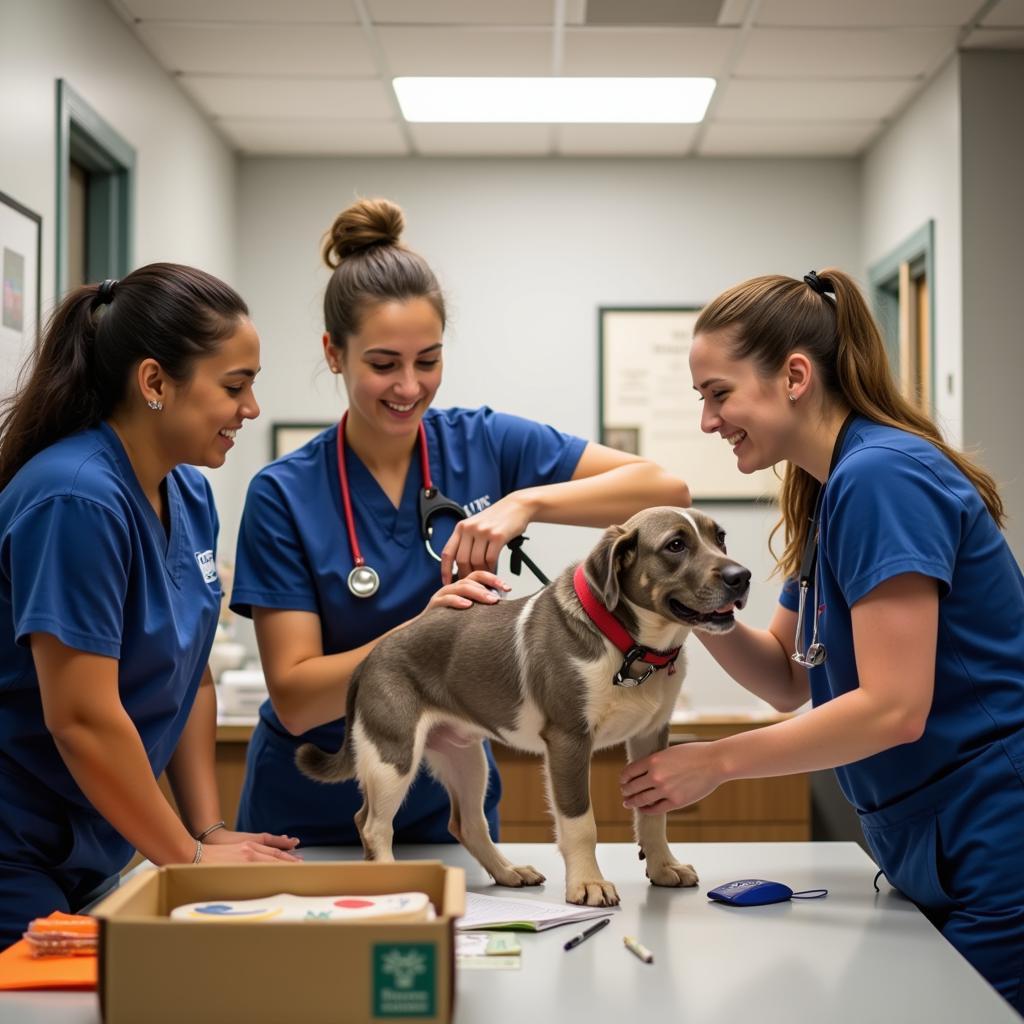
[{"x": 638, "y": 13}]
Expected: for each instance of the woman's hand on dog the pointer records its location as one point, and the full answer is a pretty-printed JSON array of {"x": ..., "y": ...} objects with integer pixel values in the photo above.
[
  {"x": 477, "y": 588},
  {"x": 476, "y": 542},
  {"x": 228, "y": 847},
  {"x": 670, "y": 779}
]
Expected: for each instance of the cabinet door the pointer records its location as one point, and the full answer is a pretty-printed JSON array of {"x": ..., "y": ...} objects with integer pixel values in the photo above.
[{"x": 748, "y": 810}]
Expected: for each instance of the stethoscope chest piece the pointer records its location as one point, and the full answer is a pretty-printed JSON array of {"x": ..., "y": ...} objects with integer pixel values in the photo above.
[
  {"x": 815, "y": 656},
  {"x": 363, "y": 581}
]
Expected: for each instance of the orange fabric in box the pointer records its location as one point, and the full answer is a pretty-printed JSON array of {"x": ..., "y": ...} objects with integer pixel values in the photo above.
[{"x": 19, "y": 969}]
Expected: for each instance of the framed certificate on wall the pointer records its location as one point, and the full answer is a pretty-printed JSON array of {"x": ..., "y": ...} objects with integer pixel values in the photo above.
[
  {"x": 648, "y": 406},
  {"x": 286, "y": 437},
  {"x": 21, "y": 233}
]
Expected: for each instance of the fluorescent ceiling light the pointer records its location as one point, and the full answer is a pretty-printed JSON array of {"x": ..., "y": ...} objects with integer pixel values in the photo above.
[{"x": 555, "y": 100}]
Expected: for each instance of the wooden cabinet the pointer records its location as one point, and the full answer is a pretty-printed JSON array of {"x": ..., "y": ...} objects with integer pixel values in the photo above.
[
  {"x": 232, "y": 745},
  {"x": 749, "y": 810}
]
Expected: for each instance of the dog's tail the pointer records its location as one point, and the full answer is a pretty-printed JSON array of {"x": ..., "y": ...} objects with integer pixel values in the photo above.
[{"x": 323, "y": 766}]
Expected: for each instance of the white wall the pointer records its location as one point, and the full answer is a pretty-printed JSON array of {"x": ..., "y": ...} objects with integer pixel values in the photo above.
[
  {"x": 993, "y": 230},
  {"x": 912, "y": 175},
  {"x": 527, "y": 250},
  {"x": 186, "y": 176}
]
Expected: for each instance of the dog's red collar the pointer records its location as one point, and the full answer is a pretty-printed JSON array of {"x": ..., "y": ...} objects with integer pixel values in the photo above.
[{"x": 616, "y": 632}]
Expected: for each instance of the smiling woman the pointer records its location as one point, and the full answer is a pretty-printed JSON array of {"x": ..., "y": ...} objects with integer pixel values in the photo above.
[
  {"x": 109, "y": 594},
  {"x": 331, "y": 553},
  {"x": 887, "y": 620}
]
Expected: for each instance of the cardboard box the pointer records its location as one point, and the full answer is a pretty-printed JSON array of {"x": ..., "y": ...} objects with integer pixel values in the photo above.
[{"x": 157, "y": 970}]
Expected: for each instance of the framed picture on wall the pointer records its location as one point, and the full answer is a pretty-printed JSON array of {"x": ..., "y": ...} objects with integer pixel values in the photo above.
[
  {"x": 21, "y": 233},
  {"x": 286, "y": 437},
  {"x": 647, "y": 405}
]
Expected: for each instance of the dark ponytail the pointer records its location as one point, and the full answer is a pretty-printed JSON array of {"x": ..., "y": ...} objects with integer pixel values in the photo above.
[{"x": 164, "y": 311}]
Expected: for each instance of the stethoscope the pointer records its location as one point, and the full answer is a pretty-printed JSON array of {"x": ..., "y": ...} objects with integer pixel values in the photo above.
[
  {"x": 363, "y": 580},
  {"x": 815, "y": 654}
]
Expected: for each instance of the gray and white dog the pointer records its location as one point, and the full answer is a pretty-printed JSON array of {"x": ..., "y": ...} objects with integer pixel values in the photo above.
[{"x": 537, "y": 674}]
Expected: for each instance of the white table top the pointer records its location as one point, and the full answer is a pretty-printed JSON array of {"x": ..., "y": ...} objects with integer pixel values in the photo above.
[{"x": 854, "y": 957}]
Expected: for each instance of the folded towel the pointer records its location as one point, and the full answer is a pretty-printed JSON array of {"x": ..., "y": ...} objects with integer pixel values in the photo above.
[
  {"x": 22, "y": 968},
  {"x": 399, "y": 906}
]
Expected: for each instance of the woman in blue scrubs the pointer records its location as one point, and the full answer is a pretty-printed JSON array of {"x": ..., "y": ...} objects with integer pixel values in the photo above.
[
  {"x": 910, "y": 645},
  {"x": 109, "y": 594},
  {"x": 385, "y": 319}
]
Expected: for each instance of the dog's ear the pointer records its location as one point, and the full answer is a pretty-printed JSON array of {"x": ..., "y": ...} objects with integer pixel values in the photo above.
[{"x": 613, "y": 551}]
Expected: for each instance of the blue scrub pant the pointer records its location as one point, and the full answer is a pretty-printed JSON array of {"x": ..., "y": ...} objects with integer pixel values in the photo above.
[
  {"x": 277, "y": 797},
  {"x": 53, "y": 855},
  {"x": 956, "y": 848}
]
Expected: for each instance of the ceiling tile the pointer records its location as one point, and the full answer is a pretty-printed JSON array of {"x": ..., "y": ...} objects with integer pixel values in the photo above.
[
  {"x": 848, "y": 53},
  {"x": 865, "y": 13},
  {"x": 789, "y": 138},
  {"x": 995, "y": 39},
  {"x": 681, "y": 51},
  {"x": 576, "y": 11},
  {"x": 776, "y": 99},
  {"x": 244, "y": 10},
  {"x": 482, "y": 139},
  {"x": 304, "y": 50},
  {"x": 1005, "y": 14},
  {"x": 461, "y": 12},
  {"x": 433, "y": 50},
  {"x": 625, "y": 139},
  {"x": 315, "y": 137},
  {"x": 242, "y": 96}
]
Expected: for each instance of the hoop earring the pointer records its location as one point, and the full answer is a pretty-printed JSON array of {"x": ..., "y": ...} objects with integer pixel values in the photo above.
[
  {"x": 792, "y": 397},
  {"x": 155, "y": 405}
]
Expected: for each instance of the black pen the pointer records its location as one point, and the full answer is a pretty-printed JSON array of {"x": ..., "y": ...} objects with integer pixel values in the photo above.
[{"x": 586, "y": 933}]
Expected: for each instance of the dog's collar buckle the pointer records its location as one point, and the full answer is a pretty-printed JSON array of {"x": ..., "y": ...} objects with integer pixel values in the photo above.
[
  {"x": 623, "y": 678},
  {"x": 614, "y": 631}
]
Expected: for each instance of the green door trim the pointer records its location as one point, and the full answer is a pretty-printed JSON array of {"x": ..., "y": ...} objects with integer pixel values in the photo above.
[
  {"x": 884, "y": 280},
  {"x": 83, "y": 135}
]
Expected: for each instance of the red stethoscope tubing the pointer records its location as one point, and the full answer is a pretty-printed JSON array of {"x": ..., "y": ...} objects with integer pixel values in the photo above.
[{"x": 346, "y": 498}]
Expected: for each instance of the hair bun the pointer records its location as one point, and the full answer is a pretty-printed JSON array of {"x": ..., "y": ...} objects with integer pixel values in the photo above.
[{"x": 364, "y": 225}]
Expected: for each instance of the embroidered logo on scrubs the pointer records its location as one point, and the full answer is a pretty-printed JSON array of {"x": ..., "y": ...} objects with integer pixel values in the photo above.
[
  {"x": 477, "y": 504},
  {"x": 207, "y": 566}
]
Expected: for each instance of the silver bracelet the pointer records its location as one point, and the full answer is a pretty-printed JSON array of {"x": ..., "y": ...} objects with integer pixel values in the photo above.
[
  {"x": 199, "y": 853},
  {"x": 213, "y": 828}
]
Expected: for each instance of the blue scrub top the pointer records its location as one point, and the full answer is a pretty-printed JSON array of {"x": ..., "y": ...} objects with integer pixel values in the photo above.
[
  {"x": 895, "y": 504},
  {"x": 294, "y": 553},
  {"x": 84, "y": 557}
]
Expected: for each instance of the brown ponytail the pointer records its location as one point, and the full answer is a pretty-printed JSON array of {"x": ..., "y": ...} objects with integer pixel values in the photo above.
[
  {"x": 371, "y": 266},
  {"x": 772, "y": 316}
]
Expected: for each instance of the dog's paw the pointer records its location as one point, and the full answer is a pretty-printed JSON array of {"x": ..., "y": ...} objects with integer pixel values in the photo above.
[
  {"x": 517, "y": 876},
  {"x": 598, "y": 893},
  {"x": 671, "y": 873}
]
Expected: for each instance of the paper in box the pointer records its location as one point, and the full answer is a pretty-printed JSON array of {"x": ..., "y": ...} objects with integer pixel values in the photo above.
[{"x": 157, "y": 970}]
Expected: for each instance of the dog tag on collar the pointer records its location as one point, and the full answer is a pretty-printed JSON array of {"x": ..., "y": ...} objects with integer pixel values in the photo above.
[
  {"x": 628, "y": 682},
  {"x": 623, "y": 678}
]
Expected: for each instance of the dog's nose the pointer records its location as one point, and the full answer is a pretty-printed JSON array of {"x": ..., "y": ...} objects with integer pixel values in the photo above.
[{"x": 736, "y": 577}]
